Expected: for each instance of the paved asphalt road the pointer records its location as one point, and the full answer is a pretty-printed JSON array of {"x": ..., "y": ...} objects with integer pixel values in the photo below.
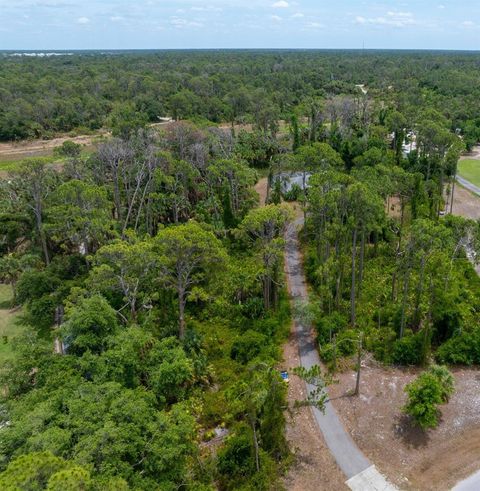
[
  {"x": 470, "y": 484},
  {"x": 360, "y": 472},
  {"x": 467, "y": 184}
]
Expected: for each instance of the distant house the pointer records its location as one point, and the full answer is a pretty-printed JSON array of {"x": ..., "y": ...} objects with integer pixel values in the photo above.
[{"x": 410, "y": 144}]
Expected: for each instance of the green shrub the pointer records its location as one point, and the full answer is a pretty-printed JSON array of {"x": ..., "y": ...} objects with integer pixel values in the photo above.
[
  {"x": 426, "y": 393},
  {"x": 347, "y": 342},
  {"x": 329, "y": 325},
  {"x": 236, "y": 465},
  {"x": 248, "y": 346},
  {"x": 326, "y": 353},
  {"x": 294, "y": 194},
  {"x": 236, "y": 459},
  {"x": 424, "y": 396},
  {"x": 253, "y": 308},
  {"x": 446, "y": 380},
  {"x": 408, "y": 350},
  {"x": 380, "y": 343},
  {"x": 463, "y": 349}
]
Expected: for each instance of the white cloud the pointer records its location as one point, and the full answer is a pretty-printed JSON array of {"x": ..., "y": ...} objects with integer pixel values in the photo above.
[
  {"x": 298, "y": 15},
  {"x": 281, "y": 4},
  {"x": 392, "y": 19},
  {"x": 208, "y": 8},
  {"x": 315, "y": 25},
  {"x": 116, "y": 18},
  {"x": 180, "y": 23},
  {"x": 468, "y": 23},
  {"x": 276, "y": 18},
  {"x": 83, "y": 20}
]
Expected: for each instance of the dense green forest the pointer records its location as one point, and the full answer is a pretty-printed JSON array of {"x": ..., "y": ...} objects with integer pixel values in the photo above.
[
  {"x": 41, "y": 97},
  {"x": 151, "y": 280}
]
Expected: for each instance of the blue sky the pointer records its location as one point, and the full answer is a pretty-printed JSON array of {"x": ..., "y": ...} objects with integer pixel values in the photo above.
[{"x": 123, "y": 24}]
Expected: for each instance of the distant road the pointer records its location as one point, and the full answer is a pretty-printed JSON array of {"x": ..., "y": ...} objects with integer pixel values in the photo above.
[{"x": 467, "y": 184}]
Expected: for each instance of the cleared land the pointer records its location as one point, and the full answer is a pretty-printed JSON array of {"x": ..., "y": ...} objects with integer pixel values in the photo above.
[
  {"x": 11, "y": 152},
  {"x": 412, "y": 459}
]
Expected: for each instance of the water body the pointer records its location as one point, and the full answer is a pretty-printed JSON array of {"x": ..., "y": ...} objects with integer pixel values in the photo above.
[{"x": 290, "y": 179}]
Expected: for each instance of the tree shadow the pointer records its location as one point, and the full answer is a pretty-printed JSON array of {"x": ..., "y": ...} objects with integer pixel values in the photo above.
[
  {"x": 405, "y": 429},
  {"x": 6, "y": 304}
]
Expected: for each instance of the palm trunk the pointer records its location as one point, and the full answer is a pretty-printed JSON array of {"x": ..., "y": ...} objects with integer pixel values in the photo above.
[
  {"x": 359, "y": 366},
  {"x": 256, "y": 445},
  {"x": 404, "y": 302},
  {"x": 181, "y": 314},
  {"x": 453, "y": 193},
  {"x": 43, "y": 239},
  {"x": 362, "y": 258},
  {"x": 416, "y": 315},
  {"x": 352, "y": 290}
]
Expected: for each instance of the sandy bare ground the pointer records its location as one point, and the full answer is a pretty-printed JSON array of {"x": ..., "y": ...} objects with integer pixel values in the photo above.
[
  {"x": 465, "y": 203},
  {"x": 261, "y": 189},
  {"x": 474, "y": 154},
  {"x": 41, "y": 148},
  {"x": 410, "y": 458}
]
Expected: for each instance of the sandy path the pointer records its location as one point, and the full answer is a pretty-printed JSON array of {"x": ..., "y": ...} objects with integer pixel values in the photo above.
[{"x": 261, "y": 189}]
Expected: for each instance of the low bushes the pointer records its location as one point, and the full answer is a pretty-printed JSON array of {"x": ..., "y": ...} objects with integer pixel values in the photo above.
[{"x": 429, "y": 390}]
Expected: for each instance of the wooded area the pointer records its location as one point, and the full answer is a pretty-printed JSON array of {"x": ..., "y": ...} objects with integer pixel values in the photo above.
[{"x": 151, "y": 281}]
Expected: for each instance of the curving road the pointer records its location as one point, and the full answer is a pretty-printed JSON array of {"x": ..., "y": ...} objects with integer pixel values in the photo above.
[
  {"x": 361, "y": 474},
  {"x": 470, "y": 484},
  {"x": 467, "y": 184}
]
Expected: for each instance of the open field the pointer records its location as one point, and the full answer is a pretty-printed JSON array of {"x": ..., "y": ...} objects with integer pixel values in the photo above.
[
  {"x": 9, "y": 327},
  {"x": 43, "y": 148},
  {"x": 469, "y": 169}
]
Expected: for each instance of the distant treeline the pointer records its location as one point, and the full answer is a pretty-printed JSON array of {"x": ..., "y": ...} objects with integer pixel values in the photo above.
[{"x": 43, "y": 96}]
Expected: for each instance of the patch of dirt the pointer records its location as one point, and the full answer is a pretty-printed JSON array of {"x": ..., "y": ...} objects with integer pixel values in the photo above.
[
  {"x": 40, "y": 148},
  {"x": 473, "y": 154},
  {"x": 465, "y": 203},
  {"x": 261, "y": 189},
  {"x": 409, "y": 457},
  {"x": 313, "y": 468},
  {"x": 393, "y": 207}
]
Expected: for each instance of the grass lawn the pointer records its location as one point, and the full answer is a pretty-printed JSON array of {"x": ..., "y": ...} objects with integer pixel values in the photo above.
[
  {"x": 9, "y": 165},
  {"x": 470, "y": 170},
  {"x": 9, "y": 326}
]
